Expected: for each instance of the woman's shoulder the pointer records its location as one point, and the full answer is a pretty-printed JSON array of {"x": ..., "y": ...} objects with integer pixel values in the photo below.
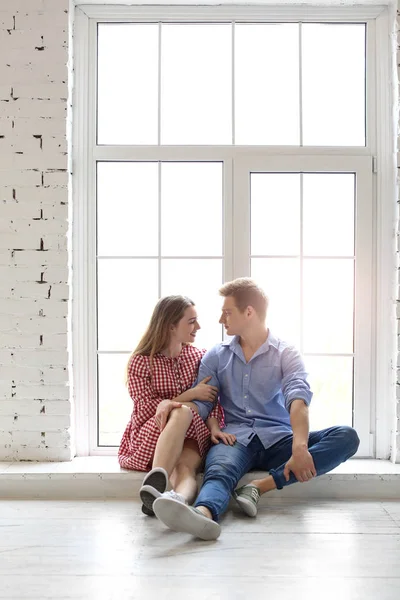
[
  {"x": 138, "y": 364},
  {"x": 193, "y": 352}
]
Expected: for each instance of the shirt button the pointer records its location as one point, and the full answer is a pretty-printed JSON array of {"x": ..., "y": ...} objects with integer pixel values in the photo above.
[
  {"x": 245, "y": 396},
  {"x": 246, "y": 375},
  {"x": 249, "y": 410}
]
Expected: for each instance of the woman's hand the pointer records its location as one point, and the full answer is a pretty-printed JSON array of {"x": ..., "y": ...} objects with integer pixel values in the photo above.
[
  {"x": 163, "y": 411},
  {"x": 203, "y": 391},
  {"x": 227, "y": 438}
]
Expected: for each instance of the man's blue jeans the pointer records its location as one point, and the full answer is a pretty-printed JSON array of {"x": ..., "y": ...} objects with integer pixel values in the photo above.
[{"x": 225, "y": 465}]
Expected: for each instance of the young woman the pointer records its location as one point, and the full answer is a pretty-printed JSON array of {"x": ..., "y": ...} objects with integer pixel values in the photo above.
[{"x": 165, "y": 432}]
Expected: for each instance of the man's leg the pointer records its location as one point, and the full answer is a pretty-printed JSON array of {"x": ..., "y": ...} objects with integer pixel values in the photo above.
[
  {"x": 329, "y": 448},
  {"x": 225, "y": 465}
]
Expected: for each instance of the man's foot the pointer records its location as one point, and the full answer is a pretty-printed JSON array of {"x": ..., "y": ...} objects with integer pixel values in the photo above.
[
  {"x": 178, "y": 516},
  {"x": 154, "y": 484},
  {"x": 247, "y": 497}
]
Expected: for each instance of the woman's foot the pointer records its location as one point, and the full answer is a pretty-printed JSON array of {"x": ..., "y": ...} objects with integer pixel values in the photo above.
[{"x": 154, "y": 484}]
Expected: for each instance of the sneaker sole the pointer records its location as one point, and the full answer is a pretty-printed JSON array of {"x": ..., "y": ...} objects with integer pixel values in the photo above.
[
  {"x": 247, "y": 506},
  {"x": 179, "y": 517},
  {"x": 147, "y": 497},
  {"x": 147, "y": 511},
  {"x": 157, "y": 480}
]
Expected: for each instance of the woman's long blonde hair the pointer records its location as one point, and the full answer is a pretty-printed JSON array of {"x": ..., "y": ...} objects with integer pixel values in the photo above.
[{"x": 167, "y": 312}]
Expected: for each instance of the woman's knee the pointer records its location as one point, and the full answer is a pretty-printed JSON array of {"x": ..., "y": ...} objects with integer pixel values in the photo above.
[{"x": 181, "y": 416}]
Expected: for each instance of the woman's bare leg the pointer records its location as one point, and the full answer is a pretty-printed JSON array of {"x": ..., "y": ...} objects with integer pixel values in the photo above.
[
  {"x": 170, "y": 443},
  {"x": 183, "y": 477}
]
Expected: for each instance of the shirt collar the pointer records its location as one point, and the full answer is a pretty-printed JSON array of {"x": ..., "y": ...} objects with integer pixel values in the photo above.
[{"x": 270, "y": 341}]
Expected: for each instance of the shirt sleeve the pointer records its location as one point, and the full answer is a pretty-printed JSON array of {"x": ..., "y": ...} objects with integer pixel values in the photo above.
[
  {"x": 141, "y": 391},
  {"x": 294, "y": 383},
  {"x": 208, "y": 367}
]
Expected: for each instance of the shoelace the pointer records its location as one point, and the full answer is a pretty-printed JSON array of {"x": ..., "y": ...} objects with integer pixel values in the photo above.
[
  {"x": 255, "y": 494},
  {"x": 174, "y": 495}
]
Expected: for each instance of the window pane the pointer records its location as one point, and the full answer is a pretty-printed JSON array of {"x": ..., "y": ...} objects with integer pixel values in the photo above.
[
  {"x": 275, "y": 213},
  {"x": 267, "y": 84},
  {"x": 200, "y": 280},
  {"x": 127, "y": 83},
  {"x": 191, "y": 201},
  {"x": 328, "y": 305},
  {"x": 196, "y": 84},
  {"x": 127, "y": 209},
  {"x": 333, "y": 77},
  {"x": 280, "y": 279},
  {"x": 328, "y": 214},
  {"x": 127, "y": 294},
  {"x": 115, "y": 404},
  {"x": 331, "y": 380}
]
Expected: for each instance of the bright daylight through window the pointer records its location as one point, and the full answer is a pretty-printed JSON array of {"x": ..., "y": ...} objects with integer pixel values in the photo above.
[{"x": 190, "y": 192}]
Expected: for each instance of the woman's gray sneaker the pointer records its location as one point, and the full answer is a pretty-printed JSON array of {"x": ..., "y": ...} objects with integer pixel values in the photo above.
[{"x": 154, "y": 484}]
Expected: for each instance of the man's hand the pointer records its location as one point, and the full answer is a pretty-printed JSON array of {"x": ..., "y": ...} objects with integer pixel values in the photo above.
[
  {"x": 205, "y": 392},
  {"x": 301, "y": 464},
  {"x": 163, "y": 411},
  {"x": 227, "y": 438}
]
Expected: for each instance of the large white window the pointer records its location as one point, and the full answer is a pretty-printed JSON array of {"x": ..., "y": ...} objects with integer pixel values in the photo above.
[{"x": 212, "y": 143}]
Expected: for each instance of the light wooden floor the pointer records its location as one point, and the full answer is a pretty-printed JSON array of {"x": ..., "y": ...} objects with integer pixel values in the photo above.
[{"x": 107, "y": 550}]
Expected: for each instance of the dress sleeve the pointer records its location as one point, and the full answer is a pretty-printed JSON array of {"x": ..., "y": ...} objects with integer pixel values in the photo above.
[
  {"x": 218, "y": 413},
  {"x": 141, "y": 391}
]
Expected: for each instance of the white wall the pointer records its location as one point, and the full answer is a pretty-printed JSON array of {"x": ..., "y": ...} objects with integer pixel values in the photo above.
[{"x": 35, "y": 407}]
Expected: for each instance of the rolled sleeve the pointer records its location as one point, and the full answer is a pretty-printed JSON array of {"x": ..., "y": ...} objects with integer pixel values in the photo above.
[
  {"x": 208, "y": 368},
  {"x": 295, "y": 384}
]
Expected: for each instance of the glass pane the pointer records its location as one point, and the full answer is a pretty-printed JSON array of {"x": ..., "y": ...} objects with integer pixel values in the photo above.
[
  {"x": 127, "y": 294},
  {"x": 328, "y": 214},
  {"x": 200, "y": 280},
  {"x": 196, "y": 84},
  {"x": 267, "y": 84},
  {"x": 115, "y": 404},
  {"x": 328, "y": 305},
  {"x": 127, "y": 209},
  {"x": 191, "y": 201},
  {"x": 331, "y": 380},
  {"x": 280, "y": 279},
  {"x": 127, "y": 110},
  {"x": 333, "y": 78},
  {"x": 275, "y": 213}
]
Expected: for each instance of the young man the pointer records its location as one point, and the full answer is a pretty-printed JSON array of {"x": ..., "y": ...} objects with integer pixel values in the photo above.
[{"x": 265, "y": 396}]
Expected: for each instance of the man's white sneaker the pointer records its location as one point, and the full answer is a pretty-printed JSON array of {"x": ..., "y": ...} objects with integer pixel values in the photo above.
[{"x": 178, "y": 516}]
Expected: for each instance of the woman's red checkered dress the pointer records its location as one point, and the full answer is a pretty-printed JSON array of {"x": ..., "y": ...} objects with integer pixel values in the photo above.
[{"x": 169, "y": 377}]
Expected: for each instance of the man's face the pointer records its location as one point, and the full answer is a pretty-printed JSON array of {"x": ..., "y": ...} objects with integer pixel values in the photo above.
[{"x": 232, "y": 319}]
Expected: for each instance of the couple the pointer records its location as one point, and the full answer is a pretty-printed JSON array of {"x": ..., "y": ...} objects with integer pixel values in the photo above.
[{"x": 260, "y": 420}]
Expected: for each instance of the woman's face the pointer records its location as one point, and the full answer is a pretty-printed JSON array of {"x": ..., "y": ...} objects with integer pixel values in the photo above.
[{"x": 185, "y": 331}]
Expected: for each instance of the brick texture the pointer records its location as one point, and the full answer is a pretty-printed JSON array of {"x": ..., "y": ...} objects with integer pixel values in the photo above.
[{"x": 35, "y": 404}]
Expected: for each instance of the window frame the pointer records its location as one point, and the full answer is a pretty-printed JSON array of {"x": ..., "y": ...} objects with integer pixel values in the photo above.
[{"x": 380, "y": 148}]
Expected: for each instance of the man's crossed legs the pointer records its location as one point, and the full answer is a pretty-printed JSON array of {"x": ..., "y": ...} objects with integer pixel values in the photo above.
[{"x": 226, "y": 465}]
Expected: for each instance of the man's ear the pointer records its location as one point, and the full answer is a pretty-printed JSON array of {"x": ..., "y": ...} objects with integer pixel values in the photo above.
[{"x": 250, "y": 311}]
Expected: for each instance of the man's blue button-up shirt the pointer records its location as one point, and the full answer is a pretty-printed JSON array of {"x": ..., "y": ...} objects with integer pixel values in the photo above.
[{"x": 255, "y": 395}]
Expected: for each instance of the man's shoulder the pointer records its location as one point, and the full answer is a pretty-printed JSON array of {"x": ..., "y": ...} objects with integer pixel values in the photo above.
[
  {"x": 282, "y": 347},
  {"x": 216, "y": 351}
]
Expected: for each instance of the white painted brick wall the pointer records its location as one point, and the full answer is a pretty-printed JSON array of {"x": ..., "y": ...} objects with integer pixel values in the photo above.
[{"x": 35, "y": 408}]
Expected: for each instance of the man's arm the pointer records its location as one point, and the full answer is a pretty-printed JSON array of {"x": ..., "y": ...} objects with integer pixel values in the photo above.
[
  {"x": 298, "y": 396},
  {"x": 208, "y": 368}
]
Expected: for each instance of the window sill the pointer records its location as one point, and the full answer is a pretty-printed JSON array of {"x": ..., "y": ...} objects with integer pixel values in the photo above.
[{"x": 101, "y": 477}]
